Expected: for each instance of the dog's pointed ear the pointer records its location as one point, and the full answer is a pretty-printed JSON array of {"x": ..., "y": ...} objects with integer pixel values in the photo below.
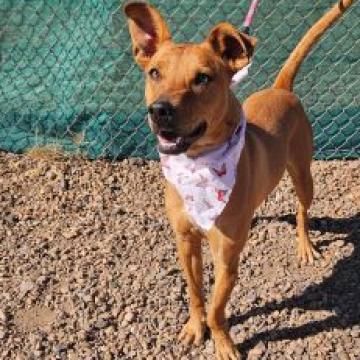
[
  {"x": 148, "y": 30},
  {"x": 234, "y": 47}
]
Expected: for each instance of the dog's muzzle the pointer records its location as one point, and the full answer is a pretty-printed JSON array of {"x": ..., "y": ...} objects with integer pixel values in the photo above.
[{"x": 170, "y": 138}]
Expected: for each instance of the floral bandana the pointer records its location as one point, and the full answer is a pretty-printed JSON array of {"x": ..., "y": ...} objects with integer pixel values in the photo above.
[{"x": 205, "y": 182}]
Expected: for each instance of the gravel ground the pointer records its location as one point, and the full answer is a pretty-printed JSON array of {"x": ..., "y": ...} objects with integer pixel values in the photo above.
[{"x": 89, "y": 267}]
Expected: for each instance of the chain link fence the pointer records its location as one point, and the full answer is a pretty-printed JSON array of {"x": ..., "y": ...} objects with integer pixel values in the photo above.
[{"x": 67, "y": 78}]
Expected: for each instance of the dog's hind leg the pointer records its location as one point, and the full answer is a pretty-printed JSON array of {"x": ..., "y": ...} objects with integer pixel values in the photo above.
[{"x": 299, "y": 169}]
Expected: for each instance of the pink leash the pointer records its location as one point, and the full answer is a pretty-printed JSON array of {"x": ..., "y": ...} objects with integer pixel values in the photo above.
[{"x": 250, "y": 16}]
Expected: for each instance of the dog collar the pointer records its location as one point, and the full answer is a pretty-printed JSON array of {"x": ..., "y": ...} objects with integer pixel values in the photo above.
[{"x": 205, "y": 182}]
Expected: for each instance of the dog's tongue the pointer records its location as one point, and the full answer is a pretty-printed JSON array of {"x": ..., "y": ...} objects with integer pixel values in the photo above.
[
  {"x": 167, "y": 137},
  {"x": 169, "y": 140},
  {"x": 171, "y": 143}
]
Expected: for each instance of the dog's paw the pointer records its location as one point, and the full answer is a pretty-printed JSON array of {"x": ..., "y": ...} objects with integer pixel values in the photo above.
[
  {"x": 224, "y": 346},
  {"x": 193, "y": 332},
  {"x": 307, "y": 253}
]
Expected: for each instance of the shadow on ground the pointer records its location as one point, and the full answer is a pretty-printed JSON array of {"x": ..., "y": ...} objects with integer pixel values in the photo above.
[{"x": 339, "y": 293}]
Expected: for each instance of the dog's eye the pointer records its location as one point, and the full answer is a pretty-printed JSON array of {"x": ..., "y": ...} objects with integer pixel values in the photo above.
[
  {"x": 154, "y": 74},
  {"x": 202, "y": 79}
]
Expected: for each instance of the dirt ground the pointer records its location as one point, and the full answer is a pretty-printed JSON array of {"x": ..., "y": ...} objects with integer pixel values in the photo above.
[{"x": 89, "y": 267}]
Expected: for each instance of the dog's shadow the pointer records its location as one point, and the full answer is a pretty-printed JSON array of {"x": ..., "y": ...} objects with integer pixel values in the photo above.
[{"x": 339, "y": 293}]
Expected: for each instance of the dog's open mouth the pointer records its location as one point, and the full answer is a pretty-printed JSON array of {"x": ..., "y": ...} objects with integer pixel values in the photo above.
[{"x": 171, "y": 143}]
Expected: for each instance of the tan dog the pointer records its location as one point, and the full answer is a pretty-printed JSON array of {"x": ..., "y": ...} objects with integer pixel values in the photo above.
[{"x": 192, "y": 107}]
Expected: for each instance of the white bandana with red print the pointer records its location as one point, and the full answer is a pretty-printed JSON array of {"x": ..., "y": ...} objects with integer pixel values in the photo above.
[{"x": 205, "y": 182}]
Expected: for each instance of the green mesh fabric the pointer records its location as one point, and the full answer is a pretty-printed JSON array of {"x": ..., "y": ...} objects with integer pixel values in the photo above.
[{"x": 67, "y": 76}]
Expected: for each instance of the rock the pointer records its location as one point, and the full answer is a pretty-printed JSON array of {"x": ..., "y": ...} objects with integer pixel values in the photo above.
[
  {"x": 299, "y": 349},
  {"x": 257, "y": 352},
  {"x": 262, "y": 236},
  {"x": 295, "y": 348},
  {"x": 60, "y": 348},
  {"x": 251, "y": 297},
  {"x": 128, "y": 318},
  {"x": 122, "y": 334},
  {"x": 342, "y": 355},
  {"x": 38, "y": 354},
  {"x": 339, "y": 243},
  {"x": 41, "y": 280},
  {"x": 25, "y": 287},
  {"x": 102, "y": 324},
  {"x": 3, "y": 316},
  {"x": 209, "y": 347}
]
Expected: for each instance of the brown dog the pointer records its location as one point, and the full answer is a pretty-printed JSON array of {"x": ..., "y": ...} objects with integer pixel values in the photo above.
[{"x": 189, "y": 99}]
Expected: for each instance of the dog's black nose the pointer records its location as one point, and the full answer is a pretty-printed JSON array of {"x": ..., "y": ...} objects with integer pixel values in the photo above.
[{"x": 162, "y": 112}]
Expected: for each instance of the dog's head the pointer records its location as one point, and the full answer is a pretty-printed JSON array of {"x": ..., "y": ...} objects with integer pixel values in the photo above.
[{"x": 187, "y": 85}]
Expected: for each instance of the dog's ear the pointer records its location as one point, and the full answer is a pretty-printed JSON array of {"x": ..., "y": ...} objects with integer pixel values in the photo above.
[
  {"x": 234, "y": 47},
  {"x": 148, "y": 30}
]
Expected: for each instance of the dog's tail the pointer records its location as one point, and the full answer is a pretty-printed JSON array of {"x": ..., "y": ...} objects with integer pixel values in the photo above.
[{"x": 288, "y": 72}]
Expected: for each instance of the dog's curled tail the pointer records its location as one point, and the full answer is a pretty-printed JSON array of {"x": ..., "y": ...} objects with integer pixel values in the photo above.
[{"x": 288, "y": 72}]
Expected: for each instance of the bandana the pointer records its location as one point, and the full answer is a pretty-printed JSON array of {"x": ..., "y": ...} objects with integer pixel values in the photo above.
[{"x": 205, "y": 182}]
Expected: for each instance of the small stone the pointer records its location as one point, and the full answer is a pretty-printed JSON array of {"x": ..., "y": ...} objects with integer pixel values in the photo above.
[
  {"x": 355, "y": 332},
  {"x": 343, "y": 355},
  {"x": 3, "y": 316},
  {"x": 262, "y": 236},
  {"x": 128, "y": 318},
  {"x": 101, "y": 324},
  {"x": 82, "y": 334},
  {"x": 108, "y": 355},
  {"x": 60, "y": 348},
  {"x": 33, "y": 339},
  {"x": 287, "y": 286},
  {"x": 299, "y": 349},
  {"x": 121, "y": 334},
  {"x": 70, "y": 233},
  {"x": 41, "y": 280},
  {"x": 25, "y": 287},
  {"x": 257, "y": 352},
  {"x": 209, "y": 347},
  {"x": 251, "y": 297},
  {"x": 339, "y": 243}
]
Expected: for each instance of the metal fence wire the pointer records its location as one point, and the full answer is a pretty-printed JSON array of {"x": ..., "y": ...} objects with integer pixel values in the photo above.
[{"x": 67, "y": 77}]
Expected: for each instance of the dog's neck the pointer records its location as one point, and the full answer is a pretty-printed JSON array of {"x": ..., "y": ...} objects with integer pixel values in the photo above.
[{"x": 226, "y": 126}]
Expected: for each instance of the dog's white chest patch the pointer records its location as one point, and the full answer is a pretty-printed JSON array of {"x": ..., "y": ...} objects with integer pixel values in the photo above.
[{"x": 205, "y": 183}]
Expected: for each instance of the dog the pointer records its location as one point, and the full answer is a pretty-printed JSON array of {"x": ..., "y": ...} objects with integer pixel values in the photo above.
[{"x": 193, "y": 111}]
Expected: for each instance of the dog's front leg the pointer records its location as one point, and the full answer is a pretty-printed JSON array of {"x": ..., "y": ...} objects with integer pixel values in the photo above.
[
  {"x": 188, "y": 240},
  {"x": 225, "y": 252},
  {"x": 189, "y": 250}
]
